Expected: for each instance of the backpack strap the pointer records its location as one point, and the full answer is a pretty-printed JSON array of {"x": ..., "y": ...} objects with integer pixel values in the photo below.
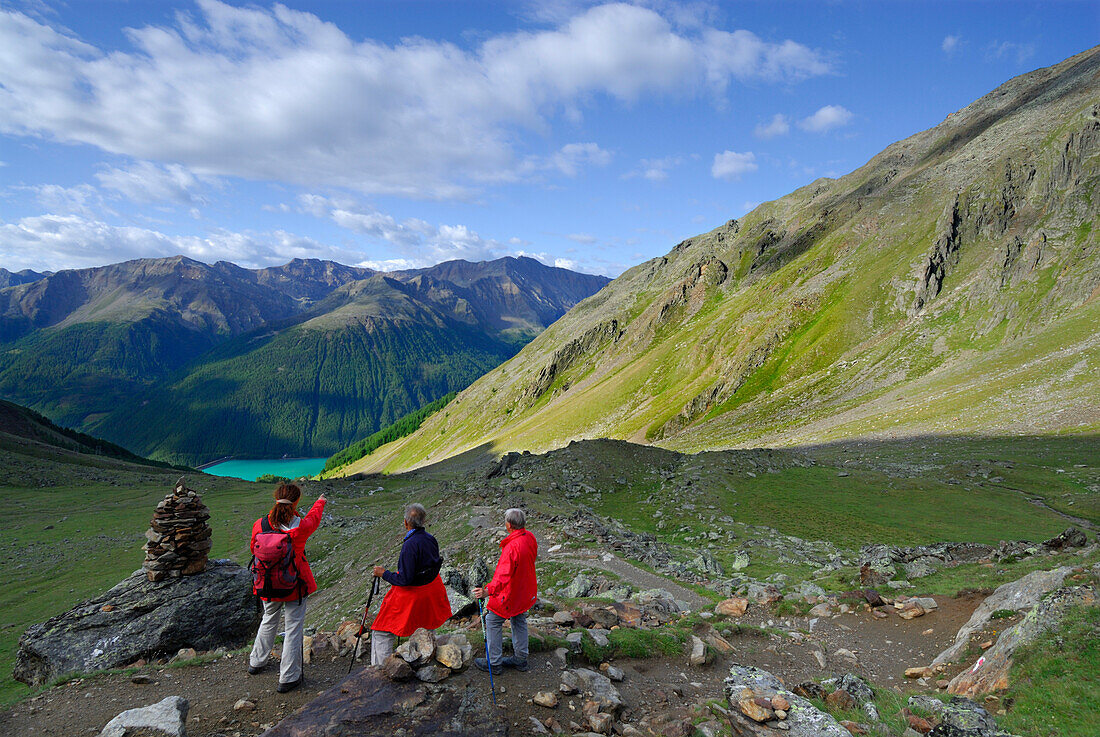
[{"x": 265, "y": 524}]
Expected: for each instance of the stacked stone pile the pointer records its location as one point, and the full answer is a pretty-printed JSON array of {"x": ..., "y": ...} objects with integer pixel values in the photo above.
[{"x": 178, "y": 537}]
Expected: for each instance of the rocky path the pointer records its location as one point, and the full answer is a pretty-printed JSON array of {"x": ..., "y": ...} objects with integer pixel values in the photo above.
[
  {"x": 640, "y": 578},
  {"x": 1079, "y": 521}
]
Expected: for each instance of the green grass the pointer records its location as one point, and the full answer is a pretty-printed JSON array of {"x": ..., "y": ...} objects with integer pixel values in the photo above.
[
  {"x": 950, "y": 581},
  {"x": 1054, "y": 686}
]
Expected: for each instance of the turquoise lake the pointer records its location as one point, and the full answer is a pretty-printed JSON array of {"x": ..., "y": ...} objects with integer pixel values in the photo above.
[{"x": 250, "y": 470}]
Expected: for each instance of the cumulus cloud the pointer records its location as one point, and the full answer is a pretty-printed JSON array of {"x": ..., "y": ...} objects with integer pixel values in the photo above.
[
  {"x": 145, "y": 181},
  {"x": 950, "y": 43},
  {"x": 72, "y": 241},
  {"x": 826, "y": 119},
  {"x": 424, "y": 243},
  {"x": 731, "y": 165},
  {"x": 777, "y": 126},
  {"x": 280, "y": 95}
]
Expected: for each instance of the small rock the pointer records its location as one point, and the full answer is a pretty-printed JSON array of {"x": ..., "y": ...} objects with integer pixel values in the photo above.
[
  {"x": 450, "y": 655},
  {"x": 418, "y": 649},
  {"x": 698, "y": 652},
  {"x": 546, "y": 698},
  {"x": 734, "y": 607},
  {"x": 840, "y": 699},
  {"x": 600, "y": 722},
  {"x": 748, "y": 705},
  {"x": 141, "y": 678},
  {"x": 244, "y": 705},
  {"x": 432, "y": 673},
  {"x": 396, "y": 669},
  {"x": 780, "y": 703},
  {"x": 921, "y": 672},
  {"x": 167, "y": 717}
]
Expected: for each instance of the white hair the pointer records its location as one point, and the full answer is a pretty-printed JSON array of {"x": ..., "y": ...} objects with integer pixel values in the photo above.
[
  {"x": 415, "y": 515},
  {"x": 516, "y": 518}
]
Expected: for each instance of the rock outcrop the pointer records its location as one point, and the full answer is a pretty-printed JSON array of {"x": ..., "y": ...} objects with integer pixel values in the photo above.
[
  {"x": 990, "y": 672},
  {"x": 368, "y": 703},
  {"x": 140, "y": 618},
  {"x": 1016, "y": 595}
]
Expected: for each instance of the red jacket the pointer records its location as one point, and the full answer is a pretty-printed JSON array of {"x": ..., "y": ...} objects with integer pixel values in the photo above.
[
  {"x": 306, "y": 527},
  {"x": 514, "y": 589}
]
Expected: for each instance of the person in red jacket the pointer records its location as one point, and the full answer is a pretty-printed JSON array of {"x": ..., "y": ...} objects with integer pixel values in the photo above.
[
  {"x": 284, "y": 516},
  {"x": 511, "y": 593}
]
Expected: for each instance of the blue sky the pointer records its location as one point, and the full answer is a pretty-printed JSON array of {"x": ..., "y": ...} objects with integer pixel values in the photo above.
[{"x": 395, "y": 134}]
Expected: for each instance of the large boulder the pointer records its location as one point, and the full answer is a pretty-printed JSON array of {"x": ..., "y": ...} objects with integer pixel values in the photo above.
[
  {"x": 803, "y": 718},
  {"x": 1017, "y": 595},
  {"x": 990, "y": 672},
  {"x": 368, "y": 703},
  {"x": 139, "y": 618}
]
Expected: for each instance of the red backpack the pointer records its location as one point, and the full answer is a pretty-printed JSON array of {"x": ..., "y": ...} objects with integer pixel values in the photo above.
[{"x": 274, "y": 570}]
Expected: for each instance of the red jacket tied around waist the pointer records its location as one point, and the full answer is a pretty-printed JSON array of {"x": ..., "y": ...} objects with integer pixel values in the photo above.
[
  {"x": 513, "y": 589},
  {"x": 407, "y": 608},
  {"x": 298, "y": 536}
]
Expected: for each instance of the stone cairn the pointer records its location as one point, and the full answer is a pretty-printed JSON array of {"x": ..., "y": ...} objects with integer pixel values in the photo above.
[{"x": 178, "y": 537}]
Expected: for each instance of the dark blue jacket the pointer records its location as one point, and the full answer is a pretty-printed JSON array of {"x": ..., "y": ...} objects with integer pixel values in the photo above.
[{"x": 419, "y": 562}]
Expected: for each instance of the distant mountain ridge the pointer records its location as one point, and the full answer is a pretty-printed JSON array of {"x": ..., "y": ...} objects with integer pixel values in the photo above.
[
  {"x": 321, "y": 354},
  {"x": 949, "y": 285}
]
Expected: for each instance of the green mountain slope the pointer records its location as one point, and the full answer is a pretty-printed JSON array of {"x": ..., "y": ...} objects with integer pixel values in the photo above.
[
  {"x": 369, "y": 353},
  {"x": 184, "y": 361},
  {"x": 950, "y": 285}
]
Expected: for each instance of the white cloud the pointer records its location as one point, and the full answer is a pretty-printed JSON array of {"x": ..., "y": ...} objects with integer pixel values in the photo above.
[
  {"x": 655, "y": 170},
  {"x": 569, "y": 159},
  {"x": 1007, "y": 50},
  {"x": 826, "y": 119},
  {"x": 777, "y": 126},
  {"x": 71, "y": 241},
  {"x": 585, "y": 238},
  {"x": 145, "y": 181},
  {"x": 83, "y": 199},
  {"x": 566, "y": 263},
  {"x": 425, "y": 244},
  {"x": 731, "y": 165},
  {"x": 950, "y": 43},
  {"x": 749, "y": 205},
  {"x": 280, "y": 95}
]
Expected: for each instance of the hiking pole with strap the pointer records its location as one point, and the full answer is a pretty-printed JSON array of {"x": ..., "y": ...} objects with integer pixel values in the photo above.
[
  {"x": 359, "y": 635},
  {"x": 489, "y": 663}
]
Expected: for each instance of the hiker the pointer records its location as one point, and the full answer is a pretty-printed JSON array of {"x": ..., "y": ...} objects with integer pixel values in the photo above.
[
  {"x": 417, "y": 597},
  {"x": 283, "y": 581},
  {"x": 511, "y": 593}
]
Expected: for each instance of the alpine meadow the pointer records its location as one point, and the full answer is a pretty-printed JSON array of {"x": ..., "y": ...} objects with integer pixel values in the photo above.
[{"x": 667, "y": 369}]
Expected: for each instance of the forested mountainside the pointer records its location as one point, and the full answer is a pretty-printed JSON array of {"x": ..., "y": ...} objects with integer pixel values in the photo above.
[
  {"x": 950, "y": 285},
  {"x": 187, "y": 361}
]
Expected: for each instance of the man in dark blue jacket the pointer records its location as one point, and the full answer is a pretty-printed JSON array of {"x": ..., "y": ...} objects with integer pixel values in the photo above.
[{"x": 417, "y": 597}]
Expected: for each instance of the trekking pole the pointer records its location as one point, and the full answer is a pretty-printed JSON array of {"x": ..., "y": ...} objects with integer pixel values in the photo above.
[
  {"x": 362, "y": 625},
  {"x": 485, "y": 629}
]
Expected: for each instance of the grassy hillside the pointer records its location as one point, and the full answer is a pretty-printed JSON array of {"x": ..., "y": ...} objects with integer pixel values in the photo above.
[{"x": 950, "y": 285}]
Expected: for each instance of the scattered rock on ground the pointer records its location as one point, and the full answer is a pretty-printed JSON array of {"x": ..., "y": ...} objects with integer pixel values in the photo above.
[{"x": 167, "y": 717}]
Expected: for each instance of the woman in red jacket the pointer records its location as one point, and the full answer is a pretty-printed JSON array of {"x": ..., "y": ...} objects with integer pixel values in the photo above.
[{"x": 285, "y": 518}]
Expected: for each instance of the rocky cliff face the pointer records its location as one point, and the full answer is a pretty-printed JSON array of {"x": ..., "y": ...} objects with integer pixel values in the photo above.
[{"x": 891, "y": 300}]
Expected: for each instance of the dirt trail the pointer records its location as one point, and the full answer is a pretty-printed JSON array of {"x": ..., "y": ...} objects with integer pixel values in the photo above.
[{"x": 639, "y": 577}]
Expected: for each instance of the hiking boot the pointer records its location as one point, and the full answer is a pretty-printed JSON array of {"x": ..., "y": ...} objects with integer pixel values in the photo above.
[
  {"x": 483, "y": 664},
  {"x": 288, "y": 687},
  {"x": 256, "y": 669},
  {"x": 513, "y": 662}
]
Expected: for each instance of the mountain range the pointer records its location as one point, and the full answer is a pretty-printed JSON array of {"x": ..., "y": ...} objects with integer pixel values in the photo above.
[
  {"x": 183, "y": 361},
  {"x": 951, "y": 285}
]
